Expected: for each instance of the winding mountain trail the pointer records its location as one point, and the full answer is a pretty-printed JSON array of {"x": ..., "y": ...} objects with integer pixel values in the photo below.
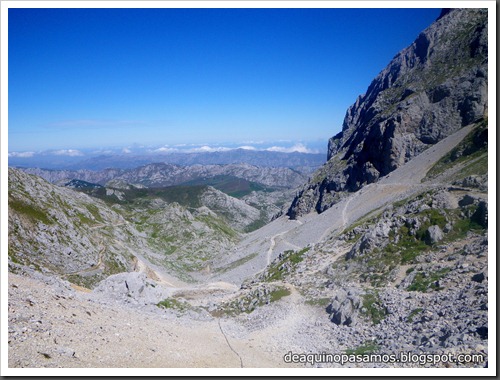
[
  {"x": 102, "y": 249},
  {"x": 344, "y": 211},
  {"x": 272, "y": 245},
  {"x": 93, "y": 268},
  {"x": 283, "y": 233}
]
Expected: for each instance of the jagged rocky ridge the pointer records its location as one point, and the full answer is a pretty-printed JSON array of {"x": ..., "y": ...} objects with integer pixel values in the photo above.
[
  {"x": 163, "y": 174},
  {"x": 62, "y": 231},
  {"x": 428, "y": 91}
]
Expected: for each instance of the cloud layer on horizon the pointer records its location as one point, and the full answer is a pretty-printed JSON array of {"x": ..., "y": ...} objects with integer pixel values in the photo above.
[
  {"x": 167, "y": 149},
  {"x": 297, "y": 147}
]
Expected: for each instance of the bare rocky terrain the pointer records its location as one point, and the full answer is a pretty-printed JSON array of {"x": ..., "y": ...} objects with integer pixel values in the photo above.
[
  {"x": 134, "y": 277},
  {"x": 300, "y": 306}
]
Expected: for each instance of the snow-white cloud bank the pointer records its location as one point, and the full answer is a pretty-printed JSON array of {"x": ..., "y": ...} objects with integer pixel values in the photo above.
[
  {"x": 67, "y": 152},
  {"x": 137, "y": 150},
  {"x": 163, "y": 149},
  {"x": 299, "y": 147},
  {"x": 21, "y": 154},
  {"x": 209, "y": 149}
]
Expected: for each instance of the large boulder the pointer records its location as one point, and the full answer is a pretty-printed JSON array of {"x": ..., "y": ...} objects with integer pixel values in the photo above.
[
  {"x": 343, "y": 308},
  {"x": 132, "y": 288}
]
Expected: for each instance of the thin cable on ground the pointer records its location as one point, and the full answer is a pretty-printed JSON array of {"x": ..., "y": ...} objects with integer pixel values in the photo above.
[{"x": 229, "y": 345}]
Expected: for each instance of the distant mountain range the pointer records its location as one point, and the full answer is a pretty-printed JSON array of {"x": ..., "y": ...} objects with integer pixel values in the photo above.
[
  {"x": 129, "y": 161},
  {"x": 161, "y": 175}
]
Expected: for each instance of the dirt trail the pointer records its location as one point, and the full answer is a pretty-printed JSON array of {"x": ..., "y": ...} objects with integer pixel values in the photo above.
[
  {"x": 50, "y": 327},
  {"x": 93, "y": 268},
  {"x": 313, "y": 228},
  {"x": 272, "y": 245}
]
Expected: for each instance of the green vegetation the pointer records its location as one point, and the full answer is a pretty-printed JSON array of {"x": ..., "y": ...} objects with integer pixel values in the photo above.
[
  {"x": 18, "y": 258},
  {"x": 425, "y": 281},
  {"x": 366, "y": 348},
  {"x": 233, "y": 186},
  {"x": 406, "y": 244},
  {"x": 413, "y": 313},
  {"x": 172, "y": 303},
  {"x": 278, "y": 294},
  {"x": 476, "y": 166},
  {"x": 85, "y": 281},
  {"x": 255, "y": 225},
  {"x": 219, "y": 225},
  {"x": 287, "y": 263},
  {"x": 113, "y": 266},
  {"x": 253, "y": 299},
  {"x": 322, "y": 302},
  {"x": 373, "y": 307},
  {"x": 473, "y": 149},
  {"x": 237, "y": 263},
  {"x": 95, "y": 212},
  {"x": 13, "y": 257},
  {"x": 187, "y": 196},
  {"x": 367, "y": 219},
  {"x": 84, "y": 219},
  {"x": 188, "y": 243},
  {"x": 32, "y": 212}
]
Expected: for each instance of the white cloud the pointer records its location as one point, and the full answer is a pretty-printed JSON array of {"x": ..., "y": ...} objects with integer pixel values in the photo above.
[
  {"x": 21, "y": 154},
  {"x": 191, "y": 148},
  {"x": 299, "y": 147},
  {"x": 67, "y": 152},
  {"x": 126, "y": 150},
  {"x": 164, "y": 149},
  {"x": 208, "y": 149}
]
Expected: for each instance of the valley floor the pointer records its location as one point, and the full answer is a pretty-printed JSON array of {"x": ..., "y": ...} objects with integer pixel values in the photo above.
[{"x": 54, "y": 324}]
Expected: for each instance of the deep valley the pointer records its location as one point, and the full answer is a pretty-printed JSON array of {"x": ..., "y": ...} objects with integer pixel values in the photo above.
[{"x": 381, "y": 250}]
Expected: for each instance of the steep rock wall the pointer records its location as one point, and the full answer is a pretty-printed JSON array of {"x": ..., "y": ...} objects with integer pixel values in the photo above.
[{"x": 429, "y": 90}]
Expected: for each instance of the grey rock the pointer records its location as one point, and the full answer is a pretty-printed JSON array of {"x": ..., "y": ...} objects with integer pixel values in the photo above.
[
  {"x": 434, "y": 234},
  {"x": 343, "y": 308},
  {"x": 421, "y": 97},
  {"x": 481, "y": 214},
  {"x": 132, "y": 287},
  {"x": 474, "y": 181},
  {"x": 163, "y": 174},
  {"x": 478, "y": 277}
]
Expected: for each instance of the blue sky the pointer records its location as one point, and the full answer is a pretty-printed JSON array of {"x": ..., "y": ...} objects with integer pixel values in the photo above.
[{"x": 90, "y": 78}]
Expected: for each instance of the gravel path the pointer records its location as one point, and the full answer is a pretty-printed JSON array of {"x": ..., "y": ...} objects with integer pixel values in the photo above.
[
  {"x": 312, "y": 228},
  {"x": 54, "y": 326}
]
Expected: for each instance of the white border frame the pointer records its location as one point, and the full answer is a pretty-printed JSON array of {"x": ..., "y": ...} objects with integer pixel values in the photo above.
[{"x": 5, "y": 5}]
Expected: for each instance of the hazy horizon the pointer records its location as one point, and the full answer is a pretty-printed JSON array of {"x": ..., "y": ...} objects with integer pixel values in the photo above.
[{"x": 280, "y": 146}]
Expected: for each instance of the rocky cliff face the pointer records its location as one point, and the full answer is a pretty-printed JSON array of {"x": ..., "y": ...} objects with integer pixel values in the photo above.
[
  {"x": 429, "y": 90},
  {"x": 60, "y": 231}
]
